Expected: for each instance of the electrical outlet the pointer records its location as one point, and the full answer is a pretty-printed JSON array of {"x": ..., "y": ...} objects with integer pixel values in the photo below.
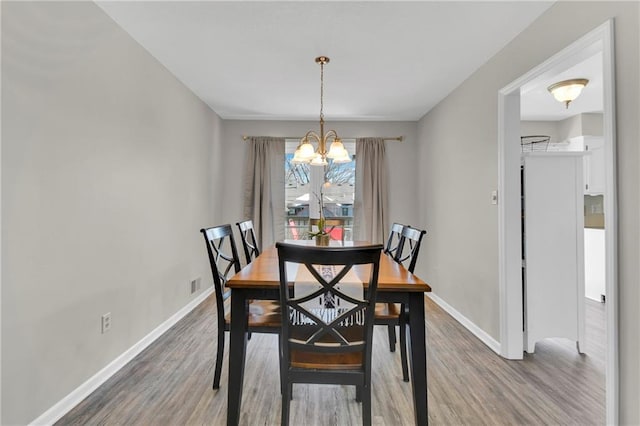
[
  {"x": 106, "y": 322},
  {"x": 195, "y": 285}
]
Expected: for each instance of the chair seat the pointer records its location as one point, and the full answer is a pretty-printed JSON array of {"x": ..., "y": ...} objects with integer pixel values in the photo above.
[
  {"x": 388, "y": 311},
  {"x": 262, "y": 313},
  {"x": 320, "y": 361}
]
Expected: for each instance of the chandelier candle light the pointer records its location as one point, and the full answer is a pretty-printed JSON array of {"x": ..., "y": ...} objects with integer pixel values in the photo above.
[{"x": 305, "y": 152}]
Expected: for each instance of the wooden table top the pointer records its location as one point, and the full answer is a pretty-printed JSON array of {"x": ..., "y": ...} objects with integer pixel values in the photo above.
[{"x": 263, "y": 272}]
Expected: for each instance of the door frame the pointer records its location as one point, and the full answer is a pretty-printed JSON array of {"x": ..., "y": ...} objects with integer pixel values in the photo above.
[{"x": 509, "y": 214}]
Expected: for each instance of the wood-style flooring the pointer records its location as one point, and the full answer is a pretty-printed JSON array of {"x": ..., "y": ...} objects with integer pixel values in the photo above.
[{"x": 170, "y": 382}]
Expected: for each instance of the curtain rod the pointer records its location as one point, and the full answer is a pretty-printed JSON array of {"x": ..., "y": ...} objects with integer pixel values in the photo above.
[{"x": 390, "y": 138}]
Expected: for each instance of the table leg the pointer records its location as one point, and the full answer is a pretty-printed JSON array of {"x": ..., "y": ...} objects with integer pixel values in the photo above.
[
  {"x": 237, "y": 352},
  {"x": 418, "y": 357}
]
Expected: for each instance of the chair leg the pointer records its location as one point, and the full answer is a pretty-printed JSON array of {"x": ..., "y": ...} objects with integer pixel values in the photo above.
[
  {"x": 218, "y": 369},
  {"x": 286, "y": 404},
  {"x": 403, "y": 347},
  {"x": 366, "y": 405},
  {"x": 280, "y": 365},
  {"x": 358, "y": 393},
  {"x": 285, "y": 388},
  {"x": 392, "y": 337}
]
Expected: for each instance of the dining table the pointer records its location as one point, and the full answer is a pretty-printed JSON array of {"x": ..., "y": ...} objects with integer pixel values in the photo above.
[{"x": 260, "y": 280}]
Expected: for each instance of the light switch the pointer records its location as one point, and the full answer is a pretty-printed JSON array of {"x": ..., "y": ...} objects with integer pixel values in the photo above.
[{"x": 494, "y": 197}]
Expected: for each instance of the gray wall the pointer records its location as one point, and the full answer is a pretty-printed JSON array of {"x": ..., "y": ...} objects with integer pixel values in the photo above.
[
  {"x": 403, "y": 163},
  {"x": 541, "y": 128},
  {"x": 106, "y": 162},
  {"x": 458, "y": 149},
  {"x": 592, "y": 124},
  {"x": 589, "y": 124}
]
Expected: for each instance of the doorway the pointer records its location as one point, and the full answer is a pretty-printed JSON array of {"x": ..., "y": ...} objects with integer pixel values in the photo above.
[{"x": 510, "y": 236}]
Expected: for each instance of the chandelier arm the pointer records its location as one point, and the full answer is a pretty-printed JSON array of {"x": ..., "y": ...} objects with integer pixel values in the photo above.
[
  {"x": 330, "y": 133},
  {"x": 313, "y": 135}
]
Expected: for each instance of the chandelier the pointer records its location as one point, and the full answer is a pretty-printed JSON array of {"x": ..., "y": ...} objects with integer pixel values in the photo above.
[{"x": 305, "y": 152}]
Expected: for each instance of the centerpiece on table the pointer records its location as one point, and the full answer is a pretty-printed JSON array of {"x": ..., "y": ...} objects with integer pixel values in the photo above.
[{"x": 322, "y": 236}]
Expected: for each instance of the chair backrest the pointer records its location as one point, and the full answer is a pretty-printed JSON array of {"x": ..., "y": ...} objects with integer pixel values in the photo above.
[
  {"x": 224, "y": 261},
  {"x": 336, "y": 226},
  {"x": 409, "y": 247},
  {"x": 394, "y": 239},
  {"x": 331, "y": 308},
  {"x": 249, "y": 241}
]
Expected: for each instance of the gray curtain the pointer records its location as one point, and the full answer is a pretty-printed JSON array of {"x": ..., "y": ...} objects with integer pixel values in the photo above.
[
  {"x": 264, "y": 188},
  {"x": 371, "y": 195}
]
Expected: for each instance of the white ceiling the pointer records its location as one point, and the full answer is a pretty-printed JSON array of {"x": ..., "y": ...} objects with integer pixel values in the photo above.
[
  {"x": 536, "y": 103},
  {"x": 389, "y": 60}
]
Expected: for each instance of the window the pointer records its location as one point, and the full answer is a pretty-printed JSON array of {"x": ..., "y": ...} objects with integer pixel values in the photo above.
[{"x": 302, "y": 189}]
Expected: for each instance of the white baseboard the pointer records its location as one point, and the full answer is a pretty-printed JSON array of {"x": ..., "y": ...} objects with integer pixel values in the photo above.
[
  {"x": 492, "y": 343},
  {"x": 65, "y": 405}
]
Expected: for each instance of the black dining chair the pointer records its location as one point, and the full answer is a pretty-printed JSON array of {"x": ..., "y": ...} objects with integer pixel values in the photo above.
[
  {"x": 403, "y": 245},
  {"x": 264, "y": 316},
  {"x": 249, "y": 240},
  {"x": 327, "y": 327},
  {"x": 407, "y": 255},
  {"x": 409, "y": 247},
  {"x": 390, "y": 314},
  {"x": 394, "y": 239}
]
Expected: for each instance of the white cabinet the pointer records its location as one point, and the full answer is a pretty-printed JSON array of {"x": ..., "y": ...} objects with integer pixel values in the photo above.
[
  {"x": 594, "y": 264},
  {"x": 594, "y": 165},
  {"x": 554, "y": 246},
  {"x": 593, "y": 146}
]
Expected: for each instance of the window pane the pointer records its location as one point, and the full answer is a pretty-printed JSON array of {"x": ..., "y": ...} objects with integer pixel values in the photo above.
[{"x": 338, "y": 190}]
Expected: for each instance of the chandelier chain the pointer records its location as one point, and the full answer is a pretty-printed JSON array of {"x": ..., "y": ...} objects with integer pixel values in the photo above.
[
  {"x": 336, "y": 152},
  {"x": 321, "y": 90}
]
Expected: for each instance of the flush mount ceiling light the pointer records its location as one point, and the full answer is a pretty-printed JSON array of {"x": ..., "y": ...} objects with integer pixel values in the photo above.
[
  {"x": 305, "y": 152},
  {"x": 568, "y": 90}
]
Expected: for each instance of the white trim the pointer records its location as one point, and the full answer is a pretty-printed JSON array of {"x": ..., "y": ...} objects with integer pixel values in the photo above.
[
  {"x": 1, "y": 233},
  {"x": 485, "y": 338},
  {"x": 65, "y": 405},
  {"x": 509, "y": 230},
  {"x": 611, "y": 224},
  {"x": 509, "y": 225}
]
